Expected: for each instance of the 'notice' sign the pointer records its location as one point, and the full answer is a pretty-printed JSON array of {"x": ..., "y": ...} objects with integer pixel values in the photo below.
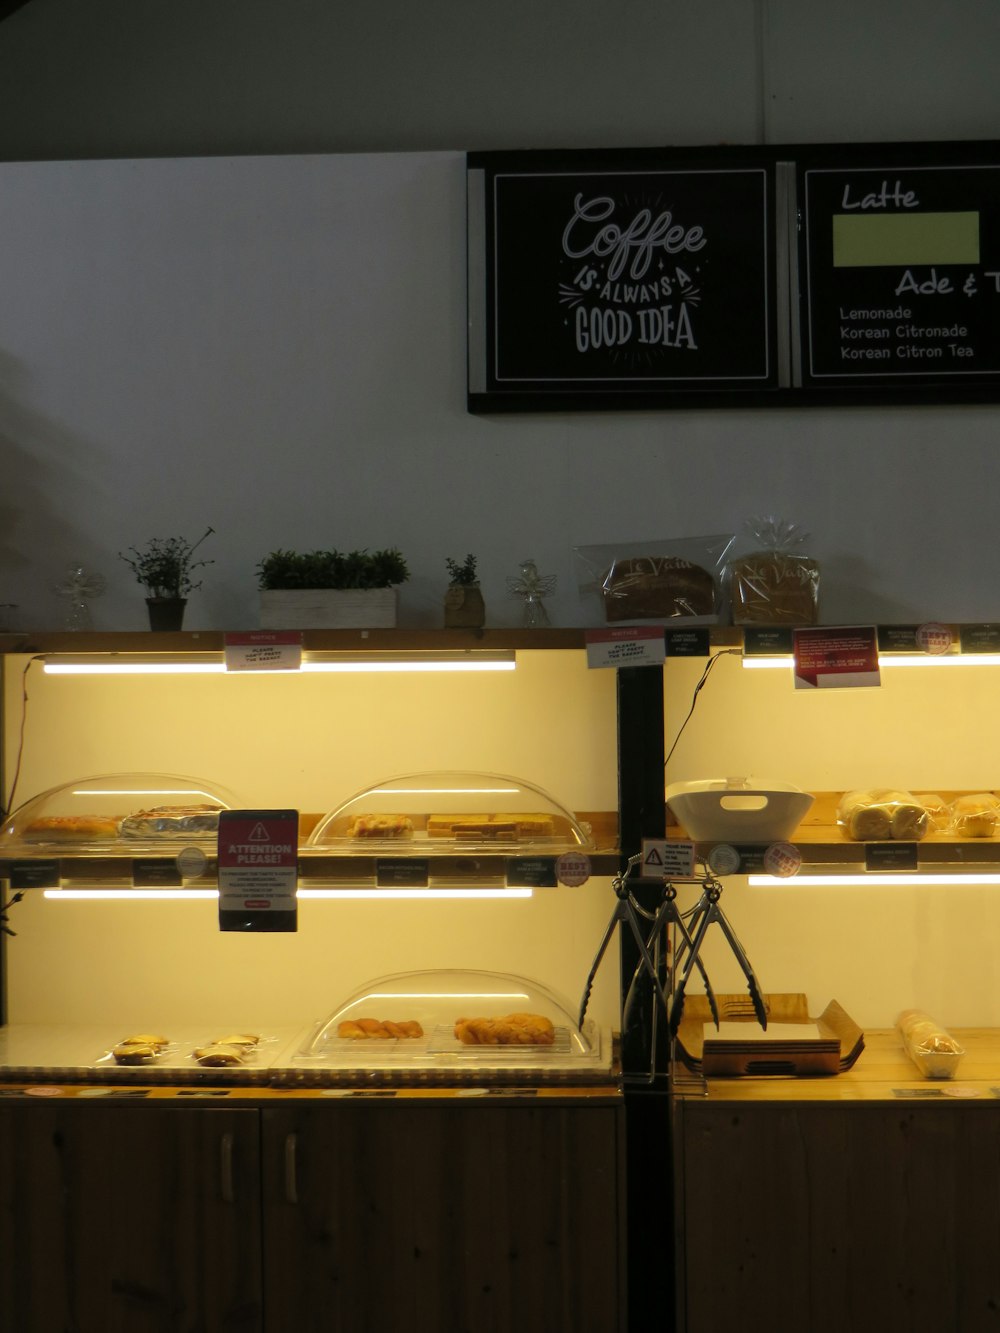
[
  {"x": 258, "y": 869},
  {"x": 826, "y": 658}
]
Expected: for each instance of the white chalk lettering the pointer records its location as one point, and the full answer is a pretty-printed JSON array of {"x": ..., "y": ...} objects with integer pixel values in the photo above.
[{"x": 638, "y": 240}]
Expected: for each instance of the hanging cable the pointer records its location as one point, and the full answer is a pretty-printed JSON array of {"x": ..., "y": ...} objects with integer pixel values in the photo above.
[{"x": 724, "y": 652}]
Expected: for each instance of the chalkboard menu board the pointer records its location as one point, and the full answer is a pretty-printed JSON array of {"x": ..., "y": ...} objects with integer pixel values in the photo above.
[
  {"x": 633, "y": 277},
  {"x": 787, "y": 275},
  {"x": 900, "y": 266}
]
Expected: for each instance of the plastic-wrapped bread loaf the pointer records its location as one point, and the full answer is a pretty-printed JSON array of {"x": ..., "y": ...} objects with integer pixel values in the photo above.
[
  {"x": 975, "y": 816},
  {"x": 931, "y": 1047},
  {"x": 881, "y": 816}
]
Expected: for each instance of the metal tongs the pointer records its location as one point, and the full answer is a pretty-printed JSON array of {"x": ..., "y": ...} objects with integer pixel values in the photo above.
[
  {"x": 707, "y": 910},
  {"x": 626, "y": 909}
]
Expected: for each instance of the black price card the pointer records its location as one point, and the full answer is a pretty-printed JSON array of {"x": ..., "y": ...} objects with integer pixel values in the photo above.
[
  {"x": 531, "y": 872},
  {"x": 979, "y": 638},
  {"x": 900, "y": 265},
  {"x": 156, "y": 872},
  {"x": 890, "y": 856},
  {"x": 409, "y": 872},
  {"x": 898, "y": 639},
  {"x": 644, "y": 271},
  {"x": 687, "y": 642},
  {"x": 34, "y": 875},
  {"x": 767, "y": 641}
]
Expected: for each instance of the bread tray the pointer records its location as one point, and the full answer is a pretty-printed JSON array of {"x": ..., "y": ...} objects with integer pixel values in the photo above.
[{"x": 836, "y": 1048}]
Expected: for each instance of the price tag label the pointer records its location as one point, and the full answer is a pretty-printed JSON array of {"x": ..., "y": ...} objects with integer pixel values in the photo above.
[
  {"x": 156, "y": 872},
  {"x": 890, "y": 856},
  {"x": 980, "y": 638},
  {"x": 630, "y": 645},
  {"x": 401, "y": 872},
  {"x": 264, "y": 650},
  {"x": 531, "y": 872},
  {"x": 34, "y": 875},
  {"x": 258, "y": 869},
  {"x": 688, "y": 642}
]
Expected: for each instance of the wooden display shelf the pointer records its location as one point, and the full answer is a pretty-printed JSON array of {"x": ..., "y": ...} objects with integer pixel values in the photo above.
[{"x": 822, "y": 841}]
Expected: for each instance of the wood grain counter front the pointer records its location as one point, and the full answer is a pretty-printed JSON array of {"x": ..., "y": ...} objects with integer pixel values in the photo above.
[
  {"x": 868, "y": 1200},
  {"x": 154, "y": 1210}
]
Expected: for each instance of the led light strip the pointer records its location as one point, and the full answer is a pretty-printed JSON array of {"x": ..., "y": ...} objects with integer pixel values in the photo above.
[
  {"x": 216, "y": 666},
  {"x": 201, "y": 895},
  {"x": 916, "y": 879}
]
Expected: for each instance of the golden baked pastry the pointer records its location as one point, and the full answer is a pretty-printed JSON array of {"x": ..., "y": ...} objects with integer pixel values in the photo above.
[
  {"x": 71, "y": 828},
  {"x": 145, "y": 1039},
  {"x": 509, "y": 1030},
  {"x": 242, "y": 1040},
  {"x": 374, "y": 1029},
  {"x": 218, "y": 1055},
  {"x": 135, "y": 1053},
  {"x": 938, "y": 810},
  {"x": 880, "y": 816},
  {"x": 490, "y": 828},
  {"x": 380, "y": 826}
]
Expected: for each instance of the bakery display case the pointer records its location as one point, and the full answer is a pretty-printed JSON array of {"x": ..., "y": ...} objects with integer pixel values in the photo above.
[
  {"x": 886, "y": 897},
  {"x": 117, "y": 812},
  {"x": 218, "y": 1061}
]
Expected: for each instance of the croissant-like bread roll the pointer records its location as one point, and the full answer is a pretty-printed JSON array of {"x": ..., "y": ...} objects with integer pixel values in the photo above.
[
  {"x": 938, "y": 813},
  {"x": 509, "y": 1030},
  {"x": 374, "y": 1029}
]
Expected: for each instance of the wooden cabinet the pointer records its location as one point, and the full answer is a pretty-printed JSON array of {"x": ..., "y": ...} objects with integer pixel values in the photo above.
[
  {"x": 384, "y": 1216},
  {"x": 839, "y": 1213},
  {"x": 128, "y": 1219},
  {"x": 307, "y": 1215}
]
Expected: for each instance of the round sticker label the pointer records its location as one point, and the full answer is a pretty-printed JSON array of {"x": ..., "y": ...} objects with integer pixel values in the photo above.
[
  {"x": 783, "y": 860},
  {"x": 191, "y": 862},
  {"x": 934, "y": 639},
  {"x": 573, "y": 868},
  {"x": 723, "y": 859}
]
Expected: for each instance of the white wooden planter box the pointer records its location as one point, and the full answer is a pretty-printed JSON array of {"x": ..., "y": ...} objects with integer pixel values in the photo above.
[{"x": 328, "y": 608}]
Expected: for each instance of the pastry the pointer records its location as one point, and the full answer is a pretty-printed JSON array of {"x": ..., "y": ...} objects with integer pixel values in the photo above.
[
  {"x": 218, "y": 1055},
  {"x": 490, "y": 828},
  {"x": 135, "y": 1053},
  {"x": 880, "y": 816},
  {"x": 654, "y": 587},
  {"x": 380, "y": 826},
  {"x": 374, "y": 1029},
  {"x": 71, "y": 828},
  {"x": 145, "y": 1039},
  {"x": 938, "y": 811},
  {"x": 975, "y": 815},
  {"x": 172, "y": 821},
  {"x": 508, "y": 1030},
  {"x": 244, "y": 1041}
]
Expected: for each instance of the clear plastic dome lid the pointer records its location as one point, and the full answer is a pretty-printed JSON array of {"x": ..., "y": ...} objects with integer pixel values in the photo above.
[
  {"x": 126, "y": 810},
  {"x": 452, "y": 810},
  {"x": 452, "y": 1015}
]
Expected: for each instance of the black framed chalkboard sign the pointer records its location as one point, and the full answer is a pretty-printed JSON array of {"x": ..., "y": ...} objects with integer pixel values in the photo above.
[
  {"x": 620, "y": 278},
  {"x": 785, "y": 275}
]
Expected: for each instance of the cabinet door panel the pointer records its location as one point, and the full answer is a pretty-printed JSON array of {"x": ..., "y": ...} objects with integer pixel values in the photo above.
[
  {"x": 837, "y": 1216},
  {"x": 128, "y": 1219},
  {"x": 451, "y": 1216}
]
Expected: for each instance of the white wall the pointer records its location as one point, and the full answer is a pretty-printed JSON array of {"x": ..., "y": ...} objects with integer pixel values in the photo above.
[{"x": 116, "y": 421}]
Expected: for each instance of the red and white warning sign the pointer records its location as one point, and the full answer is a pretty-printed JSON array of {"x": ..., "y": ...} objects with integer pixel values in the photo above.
[
  {"x": 661, "y": 859},
  {"x": 258, "y": 860}
]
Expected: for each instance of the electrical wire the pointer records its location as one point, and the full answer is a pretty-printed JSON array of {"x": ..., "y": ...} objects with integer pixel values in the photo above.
[
  {"x": 20, "y": 740},
  {"x": 724, "y": 652}
]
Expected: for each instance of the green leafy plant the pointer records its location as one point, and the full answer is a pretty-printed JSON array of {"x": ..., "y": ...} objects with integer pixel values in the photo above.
[
  {"x": 332, "y": 569},
  {"x": 463, "y": 575},
  {"x": 164, "y": 565}
]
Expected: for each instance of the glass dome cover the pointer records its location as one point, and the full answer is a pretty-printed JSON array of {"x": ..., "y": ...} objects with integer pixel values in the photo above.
[
  {"x": 117, "y": 810},
  {"x": 452, "y": 1016},
  {"x": 445, "y": 811}
]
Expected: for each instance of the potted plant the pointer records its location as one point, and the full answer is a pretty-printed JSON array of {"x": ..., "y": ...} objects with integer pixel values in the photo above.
[
  {"x": 330, "y": 589},
  {"x": 463, "y": 602},
  {"x": 164, "y": 567}
]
